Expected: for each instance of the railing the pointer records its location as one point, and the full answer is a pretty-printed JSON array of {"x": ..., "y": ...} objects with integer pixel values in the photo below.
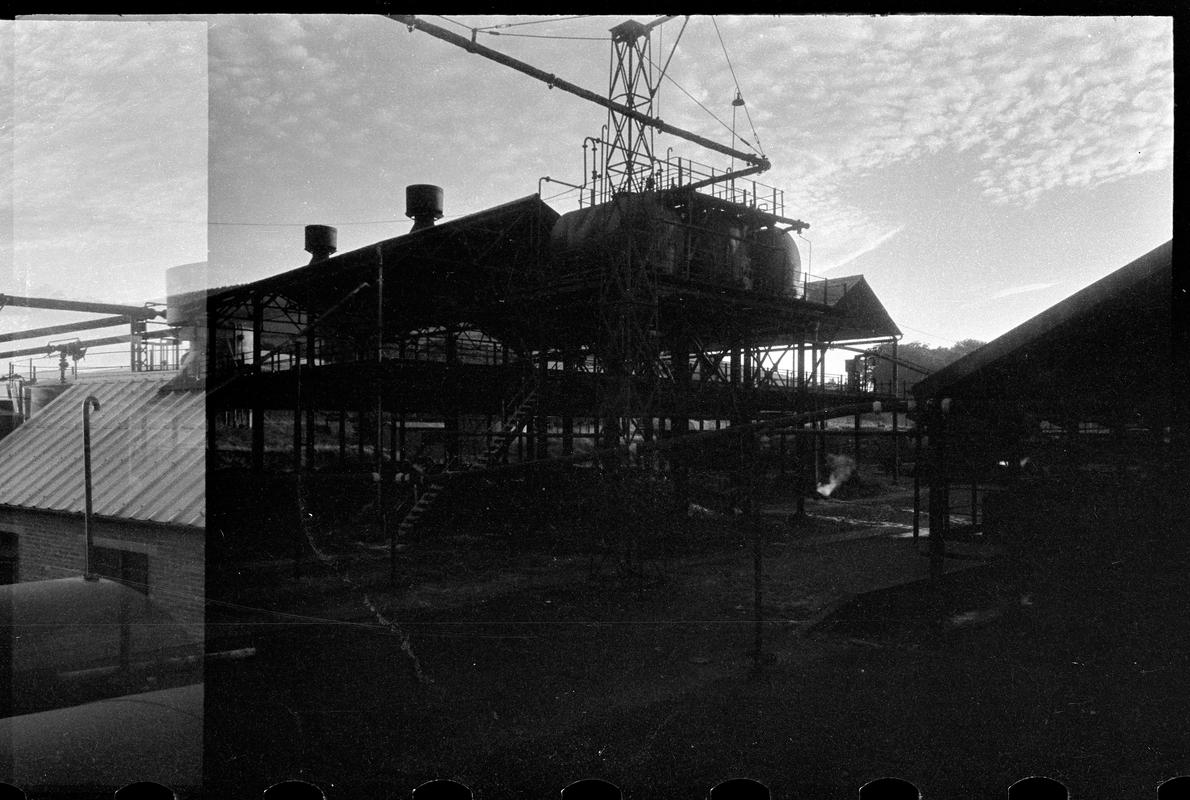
[{"x": 675, "y": 172}]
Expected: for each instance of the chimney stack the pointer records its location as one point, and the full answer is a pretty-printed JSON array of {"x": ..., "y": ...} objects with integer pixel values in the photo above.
[
  {"x": 423, "y": 204},
  {"x": 321, "y": 242}
]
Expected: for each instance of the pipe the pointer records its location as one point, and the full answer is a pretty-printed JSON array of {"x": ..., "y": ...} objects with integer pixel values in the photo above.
[
  {"x": 70, "y": 327},
  {"x": 877, "y": 354},
  {"x": 52, "y": 304},
  {"x": 123, "y": 339},
  {"x": 552, "y": 81},
  {"x": 88, "y": 404},
  {"x": 726, "y": 176}
]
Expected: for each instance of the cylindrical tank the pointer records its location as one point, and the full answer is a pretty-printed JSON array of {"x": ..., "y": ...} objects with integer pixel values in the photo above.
[
  {"x": 186, "y": 293},
  {"x": 9, "y": 418},
  {"x": 321, "y": 242},
  {"x": 607, "y": 227},
  {"x": 719, "y": 249},
  {"x": 423, "y": 204},
  {"x": 39, "y": 395},
  {"x": 776, "y": 263}
]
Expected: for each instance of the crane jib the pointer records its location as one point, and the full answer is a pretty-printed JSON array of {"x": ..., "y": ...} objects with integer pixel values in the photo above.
[{"x": 472, "y": 46}]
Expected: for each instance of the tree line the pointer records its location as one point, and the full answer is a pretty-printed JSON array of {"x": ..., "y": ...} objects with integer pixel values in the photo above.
[{"x": 930, "y": 359}]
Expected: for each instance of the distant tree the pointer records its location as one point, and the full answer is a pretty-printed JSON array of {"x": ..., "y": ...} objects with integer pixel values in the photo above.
[{"x": 930, "y": 359}]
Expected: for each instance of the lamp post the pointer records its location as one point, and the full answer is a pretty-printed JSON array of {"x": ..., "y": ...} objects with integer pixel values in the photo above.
[{"x": 88, "y": 404}]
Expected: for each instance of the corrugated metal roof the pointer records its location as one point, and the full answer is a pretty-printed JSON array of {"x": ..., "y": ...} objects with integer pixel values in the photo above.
[{"x": 148, "y": 452}]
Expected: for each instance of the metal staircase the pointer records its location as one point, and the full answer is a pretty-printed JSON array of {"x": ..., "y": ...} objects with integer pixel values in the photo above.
[
  {"x": 433, "y": 490},
  {"x": 524, "y": 407}
]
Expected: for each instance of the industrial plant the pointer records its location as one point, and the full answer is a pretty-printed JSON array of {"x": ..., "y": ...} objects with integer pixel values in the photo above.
[{"x": 519, "y": 474}]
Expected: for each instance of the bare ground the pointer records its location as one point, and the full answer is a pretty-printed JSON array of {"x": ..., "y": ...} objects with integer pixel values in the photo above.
[{"x": 538, "y": 669}]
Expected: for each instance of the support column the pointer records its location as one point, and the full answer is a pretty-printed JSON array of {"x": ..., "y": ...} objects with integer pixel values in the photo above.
[
  {"x": 297, "y": 409},
  {"x": 211, "y": 408},
  {"x": 257, "y": 370},
  {"x": 567, "y": 418},
  {"x": 939, "y": 494},
  {"x": 543, "y": 420},
  {"x": 310, "y": 401},
  {"x": 896, "y": 393},
  {"x": 359, "y": 431},
  {"x": 855, "y": 439},
  {"x": 342, "y": 432},
  {"x": 736, "y": 365},
  {"x": 451, "y": 423},
  {"x": 799, "y": 440}
]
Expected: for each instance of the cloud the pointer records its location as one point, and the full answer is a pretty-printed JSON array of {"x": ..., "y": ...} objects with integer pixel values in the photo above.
[
  {"x": 1013, "y": 291},
  {"x": 863, "y": 248},
  {"x": 109, "y": 150},
  {"x": 1026, "y": 289},
  {"x": 1044, "y": 102}
]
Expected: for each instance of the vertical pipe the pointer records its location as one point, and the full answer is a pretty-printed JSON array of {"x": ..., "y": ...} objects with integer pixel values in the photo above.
[{"x": 88, "y": 404}]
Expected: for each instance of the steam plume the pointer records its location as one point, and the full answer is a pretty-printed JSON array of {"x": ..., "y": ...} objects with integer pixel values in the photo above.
[{"x": 841, "y": 468}]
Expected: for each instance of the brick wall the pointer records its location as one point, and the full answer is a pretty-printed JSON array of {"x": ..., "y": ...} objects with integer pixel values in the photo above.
[{"x": 50, "y": 545}]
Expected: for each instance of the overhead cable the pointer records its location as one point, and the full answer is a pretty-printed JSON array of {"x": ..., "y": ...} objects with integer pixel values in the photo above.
[{"x": 739, "y": 92}]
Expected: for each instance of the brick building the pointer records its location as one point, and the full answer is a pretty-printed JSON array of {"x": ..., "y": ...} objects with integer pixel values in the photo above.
[{"x": 148, "y": 490}]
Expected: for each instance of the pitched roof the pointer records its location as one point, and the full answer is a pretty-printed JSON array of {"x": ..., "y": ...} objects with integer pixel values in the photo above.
[
  {"x": 489, "y": 237},
  {"x": 147, "y": 452},
  {"x": 1107, "y": 341},
  {"x": 861, "y": 314}
]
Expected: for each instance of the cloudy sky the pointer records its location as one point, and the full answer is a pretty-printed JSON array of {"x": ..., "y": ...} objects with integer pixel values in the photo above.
[{"x": 975, "y": 169}]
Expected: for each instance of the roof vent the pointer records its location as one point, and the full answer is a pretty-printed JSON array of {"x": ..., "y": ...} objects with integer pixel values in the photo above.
[
  {"x": 321, "y": 242},
  {"x": 423, "y": 204}
]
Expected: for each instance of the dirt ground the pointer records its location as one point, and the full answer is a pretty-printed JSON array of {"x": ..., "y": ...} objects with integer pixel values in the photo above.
[{"x": 519, "y": 672}]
